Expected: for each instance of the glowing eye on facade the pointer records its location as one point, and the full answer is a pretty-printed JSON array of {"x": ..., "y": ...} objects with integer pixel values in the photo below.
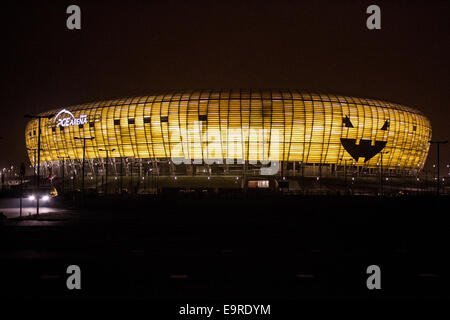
[
  {"x": 385, "y": 125},
  {"x": 347, "y": 123}
]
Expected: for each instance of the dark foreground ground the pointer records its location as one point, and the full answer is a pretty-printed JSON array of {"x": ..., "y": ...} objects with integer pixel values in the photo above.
[{"x": 263, "y": 248}]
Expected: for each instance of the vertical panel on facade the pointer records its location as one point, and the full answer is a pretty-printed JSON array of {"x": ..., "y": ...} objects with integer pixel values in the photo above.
[
  {"x": 245, "y": 123},
  {"x": 182, "y": 118},
  {"x": 329, "y": 150},
  {"x": 164, "y": 113},
  {"x": 156, "y": 132},
  {"x": 202, "y": 123},
  {"x": 124, "y": 137},
  {"x": 223, "y": 118},
  {"x": 277, "y": 129},
  {"x": 141, "y": 145},
  {"x": 255, "y": 151},
  {"x": 174, "y": 146},
  {"x": 147, "y": 113},
  {"x": 214, "y": 148},
  {"x": 234, "y": 135},
  {"x": 193, "y": 129},
  {"x": 288, "y": 125},
  {"x": 309, "y": 125}
]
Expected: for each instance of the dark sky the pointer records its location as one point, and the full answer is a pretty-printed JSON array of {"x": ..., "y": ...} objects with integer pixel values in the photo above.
[{"x": 131, "y": 48}]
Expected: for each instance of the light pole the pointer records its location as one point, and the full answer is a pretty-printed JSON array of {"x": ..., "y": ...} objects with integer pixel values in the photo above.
[
  {"x": 38, "y": 117},
  {"x": 106, "y": 168},
  {"x": 381, "y": 171},
  {"x": 34, "y": 163},
  {"x": 345, "y": 173},
  {"x": 63, "y": 169},
  {"x": 34, "y": 170},
  {"x": 82, "y": 164},
  {"x": 22, "y": 174},
  {"x": 2, "y": 174},
  {"x": 121, "y": 175},
  {"x": 438, "y": 185}
]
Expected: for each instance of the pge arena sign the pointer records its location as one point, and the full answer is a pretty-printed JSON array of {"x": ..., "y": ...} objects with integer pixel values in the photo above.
[{"x": 65, "y": 118}]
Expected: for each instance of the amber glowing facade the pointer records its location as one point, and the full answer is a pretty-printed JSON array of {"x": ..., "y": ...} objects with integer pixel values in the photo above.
[{"x": 241, "y": 125}]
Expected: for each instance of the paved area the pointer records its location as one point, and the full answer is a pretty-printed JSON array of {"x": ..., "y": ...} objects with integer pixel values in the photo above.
[
  {"x": 11, "y": 207},
  {"x": 279, "y": 248},
  {"x": 29, "y": 211}
]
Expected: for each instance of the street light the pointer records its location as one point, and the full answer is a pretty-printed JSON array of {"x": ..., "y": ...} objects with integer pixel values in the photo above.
[
  {"x": 39, "y": 117},
  {"x": 345, "y": 173},
  {"x": 438, "y": 184},
  {"x": 63, "y": 163},
  {"x": 106, "y": 167},
  {"x": 2, "y": 174},
  {"x": 82, "y": 165},
  {"x": 381, "y": 171},
  {"x": 34, "y": 163}
]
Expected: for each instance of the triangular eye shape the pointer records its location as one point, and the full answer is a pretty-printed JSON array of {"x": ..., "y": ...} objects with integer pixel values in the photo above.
[
  {"x": 346, "y": 121},
  {"x": 385, "y": 125}
]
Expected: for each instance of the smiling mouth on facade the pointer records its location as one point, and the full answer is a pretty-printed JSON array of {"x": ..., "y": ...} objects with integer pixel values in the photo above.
[{"x": 364, "y": 149}]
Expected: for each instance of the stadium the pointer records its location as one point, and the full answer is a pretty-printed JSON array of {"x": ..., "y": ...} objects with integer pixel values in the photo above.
[{"x": 228, "y": 138}]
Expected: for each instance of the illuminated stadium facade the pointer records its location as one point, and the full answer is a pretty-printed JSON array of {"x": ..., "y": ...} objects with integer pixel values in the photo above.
[{"x": 221, "y": 132}]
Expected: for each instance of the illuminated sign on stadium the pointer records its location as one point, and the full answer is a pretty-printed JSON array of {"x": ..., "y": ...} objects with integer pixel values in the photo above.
[{"x": 69, "y": 120}]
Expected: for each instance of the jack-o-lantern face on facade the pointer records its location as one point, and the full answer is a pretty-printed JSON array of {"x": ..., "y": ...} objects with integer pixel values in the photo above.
[
  {"x": 377, "y": 133},
  {"x": 366, "y": 148}
]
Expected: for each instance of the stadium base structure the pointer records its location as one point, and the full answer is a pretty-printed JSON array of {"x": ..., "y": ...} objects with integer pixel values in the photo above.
[{"x": 252, "y": 135}]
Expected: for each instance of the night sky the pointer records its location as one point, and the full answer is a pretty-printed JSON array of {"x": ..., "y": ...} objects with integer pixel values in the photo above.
[{"x": 133, "y": 48}]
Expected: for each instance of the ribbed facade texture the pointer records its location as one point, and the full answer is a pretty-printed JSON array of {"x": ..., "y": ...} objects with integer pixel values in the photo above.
[{"x": 250, "y": 125}]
